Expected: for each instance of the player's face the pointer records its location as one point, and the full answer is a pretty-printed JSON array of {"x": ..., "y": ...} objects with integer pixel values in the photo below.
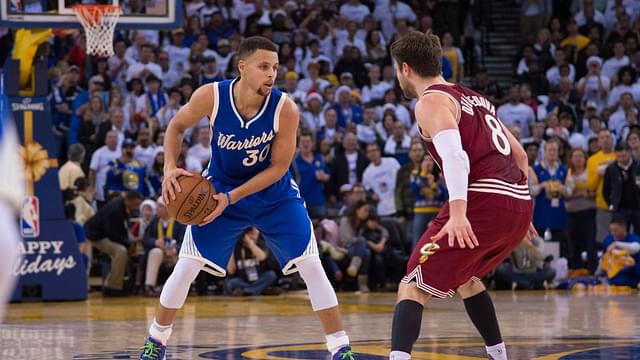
[
  {"x": 404, "y": 83},
  {"x": 260, "y": 70}
]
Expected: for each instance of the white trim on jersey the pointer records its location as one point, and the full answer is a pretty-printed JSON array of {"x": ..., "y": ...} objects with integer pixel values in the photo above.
[
  {"x": 453, "y": 100},
  {"x": 233, "y": 106},
  {"x": 496, "y": 186},
  {"x": 190, "y": 250},
  {"x": 216, "y": 104},
  {"x": 417, "y": 274},
  {"x": 276, "y": 117}
]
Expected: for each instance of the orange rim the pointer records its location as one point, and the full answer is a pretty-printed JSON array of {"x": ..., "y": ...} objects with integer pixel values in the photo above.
[{"x": 93, "y": 13}]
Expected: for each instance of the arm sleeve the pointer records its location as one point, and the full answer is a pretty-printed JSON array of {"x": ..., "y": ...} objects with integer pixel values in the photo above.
[{"x": 455, "y": 163}]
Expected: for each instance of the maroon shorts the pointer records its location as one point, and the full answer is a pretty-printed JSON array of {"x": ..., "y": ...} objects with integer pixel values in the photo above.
[{"x": 499, "y": 222}]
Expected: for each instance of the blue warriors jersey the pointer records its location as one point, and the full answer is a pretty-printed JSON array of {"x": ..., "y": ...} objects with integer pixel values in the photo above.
[{"x": 241, "y": 148}]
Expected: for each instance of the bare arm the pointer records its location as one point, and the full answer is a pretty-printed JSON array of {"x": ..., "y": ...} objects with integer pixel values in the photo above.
[
  {"x": 231, "y": 267},
  {"x": 260, "y": 254},
  {"x": 441, "y": 116},
  {"x": 188, "y": 116}
]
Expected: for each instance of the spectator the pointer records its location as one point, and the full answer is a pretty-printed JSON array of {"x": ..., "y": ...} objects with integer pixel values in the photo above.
[
  {"x": 313, "y": 117},
  {"x": 367, "y": 131},
  {"x": 619, "y": 59},
  {"x": 627, "y": 77},
  {"x": 177, "y": 52},
  {"x": 83, "y": 201},
  {"x": 353, "y": 10},
  {"x": 162, "y": 241},
  {"x": 454, "y": 55},
  {"x": 115, "y": 124},
  {"x": 596, "y": 167},
  {"x": 574, "y": 39},
  {"x": 525, "y": 268},
  {"x": 554, "y": 73},
  {"x": 430, "y": 194},
  {"x": 349, "y": 164},
  {"x": 621, "y": 260},
  {"x": 210, "y": 72},
  {"x": 594, "y": 87},
  {"x": 170, "y": 109},
  {"x": 72, "y": 169},
  {"x": 375, "y": 90},
  {"x": 618, "y": 119},
  {"x": 581, "y": 211},
  {"x": 377, "y": 240},
  {"x": 398, "y": 144},
  {"x": 246, "y": 275},
  {"x": 380, "y": 178},
  {"x": 358, "y": 252},
  {"x": 99, "y": 167},
  {"x": 201, "y": 150},
  {"x": 483, "y": 85},
  {"x": 145, "y": 66},
  {"x": 387, "y": 12},
  {"x": 118, "y": 65},
  {"x": 535, "y": 78},
  {"x": 405, "y": 199},
  {"x": 311, "y": 173},
  {"x": 517, "y": 113},
  {"x": 170, "y": 77},
  {"x": 145, "y": 149},
  {"x": 533, "y": 16},
  {"x": 549, "y": 209},
  {"x": 347, "y": 111},
  {"x": 633, "y": 141},
  {"x": 621, "y": 187},
  {"x": 313, "y": 82},
  {"x": 126, "y": 173},
  {"x": 108, "y": 232}
]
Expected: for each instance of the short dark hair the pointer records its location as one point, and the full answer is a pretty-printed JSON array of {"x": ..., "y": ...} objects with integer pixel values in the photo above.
[
  {"x": 619, "y": 220},
  {"x": 621, "y": 147},
  {"x": 133, "y": 195},
  {"x": 421, "y": 51},
  {"x": 249, "y": 45}
]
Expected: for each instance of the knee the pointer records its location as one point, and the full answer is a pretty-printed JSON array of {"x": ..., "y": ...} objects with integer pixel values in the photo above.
[
  {"x": 120, "y": 252},
  {"x": 471, "y": 288},
  {"x": 156, "y": 253},
  {"x": 411, "y": 291}
]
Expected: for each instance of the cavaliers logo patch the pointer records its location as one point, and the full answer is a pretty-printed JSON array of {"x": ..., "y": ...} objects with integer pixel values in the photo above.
[{"x": 428, "y": 250}]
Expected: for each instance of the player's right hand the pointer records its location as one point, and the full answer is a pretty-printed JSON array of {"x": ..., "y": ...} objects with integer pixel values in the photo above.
[
  {"x": 170, "y": 185},
  {"x": 458, "y": 228}
]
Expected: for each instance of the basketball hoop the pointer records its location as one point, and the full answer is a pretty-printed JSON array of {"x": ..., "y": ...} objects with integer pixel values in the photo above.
[{"x": 99, "y": 23}]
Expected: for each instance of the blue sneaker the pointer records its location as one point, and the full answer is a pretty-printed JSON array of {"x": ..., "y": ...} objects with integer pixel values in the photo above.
[
  {"x": 153, "y": 350},
  {"x": 344, "y": 354}
]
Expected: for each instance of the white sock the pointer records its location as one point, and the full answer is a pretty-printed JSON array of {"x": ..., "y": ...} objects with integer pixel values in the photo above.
[
  {"x": 337, "y": 341},
  {"x": 160, "y": 332},
  {"x": 399, "y": 355},
  {"x": 497, "y": 351}
]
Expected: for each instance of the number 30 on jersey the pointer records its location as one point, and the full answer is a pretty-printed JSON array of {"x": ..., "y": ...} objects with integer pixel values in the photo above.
[
  {"x": 497, "y": 135},
  {"x": 253, "y": 156}
]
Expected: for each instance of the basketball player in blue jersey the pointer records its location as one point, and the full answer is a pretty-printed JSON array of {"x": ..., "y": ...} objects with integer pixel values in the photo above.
[
  {"x": 253, "y": 143},
  {"x": 11, "y": 193}
]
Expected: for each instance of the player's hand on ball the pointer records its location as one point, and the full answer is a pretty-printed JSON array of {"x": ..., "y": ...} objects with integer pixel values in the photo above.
[
  {"x": 221, "y": 204},
  {"x": 458, "y": 228},
  {"x": 170, "y": 185}
]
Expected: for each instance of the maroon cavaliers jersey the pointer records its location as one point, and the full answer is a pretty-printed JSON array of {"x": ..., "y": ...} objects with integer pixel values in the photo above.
[{"x": 493, "y": 167}]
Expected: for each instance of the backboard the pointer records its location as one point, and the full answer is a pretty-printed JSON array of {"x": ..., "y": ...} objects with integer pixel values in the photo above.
[{"x": 136, "y": 14}]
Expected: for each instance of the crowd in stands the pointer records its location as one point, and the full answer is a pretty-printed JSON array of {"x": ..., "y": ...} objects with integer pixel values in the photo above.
[{"x": 369, "y": 186}]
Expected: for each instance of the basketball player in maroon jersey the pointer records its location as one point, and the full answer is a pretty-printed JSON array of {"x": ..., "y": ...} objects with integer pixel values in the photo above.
[{"x": 489, "y": 208}]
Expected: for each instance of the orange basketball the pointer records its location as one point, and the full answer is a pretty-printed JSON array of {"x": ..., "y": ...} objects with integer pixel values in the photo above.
[{"x": 194, "y": 202}]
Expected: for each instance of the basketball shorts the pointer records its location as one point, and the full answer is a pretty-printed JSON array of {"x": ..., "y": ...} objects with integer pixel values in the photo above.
[
  {"x": 500, "y": 223},
  {"x": 278, "y": 212}
]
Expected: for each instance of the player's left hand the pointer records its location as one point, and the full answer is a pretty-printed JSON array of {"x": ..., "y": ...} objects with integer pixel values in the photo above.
[
  {"x": 222, "y": 203},
  {"x": 458, "y": 228}
]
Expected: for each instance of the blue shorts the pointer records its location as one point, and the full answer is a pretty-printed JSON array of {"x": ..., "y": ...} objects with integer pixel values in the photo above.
[{"x": 278, "y": 212}]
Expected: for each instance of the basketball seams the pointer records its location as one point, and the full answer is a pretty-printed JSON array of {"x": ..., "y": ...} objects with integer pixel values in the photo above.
[
  {"x": 211, "y": 192},
  {"x": 187, "y": 197}
]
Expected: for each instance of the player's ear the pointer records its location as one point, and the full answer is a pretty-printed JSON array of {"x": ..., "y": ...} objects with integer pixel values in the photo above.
[
  {"x": 405, "y": 69},
  {"x": 241, "y": 65}
]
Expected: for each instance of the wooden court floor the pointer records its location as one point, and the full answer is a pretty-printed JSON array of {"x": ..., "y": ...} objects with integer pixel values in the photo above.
[{"x": 536, "y": 325}]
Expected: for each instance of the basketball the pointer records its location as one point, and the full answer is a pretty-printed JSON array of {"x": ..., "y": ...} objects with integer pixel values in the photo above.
[{"x": 194, "y": 202}]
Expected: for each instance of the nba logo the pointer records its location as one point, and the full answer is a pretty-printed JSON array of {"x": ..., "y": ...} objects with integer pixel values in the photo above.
[{"x": 30, "y": 217}]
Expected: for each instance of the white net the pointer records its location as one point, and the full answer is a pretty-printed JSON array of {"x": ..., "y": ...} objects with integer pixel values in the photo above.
[{"x": 99, "y": 23}]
